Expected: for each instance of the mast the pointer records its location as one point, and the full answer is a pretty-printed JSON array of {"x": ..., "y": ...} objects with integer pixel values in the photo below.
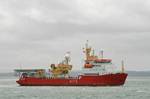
[
  {"x": 102, "y": 52},
  {"x": 122, "y": 67},
  {"x": 87, "y": 50}
]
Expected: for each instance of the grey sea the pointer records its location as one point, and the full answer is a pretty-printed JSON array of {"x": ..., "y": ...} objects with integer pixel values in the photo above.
[{"x": 134, "y": 88}]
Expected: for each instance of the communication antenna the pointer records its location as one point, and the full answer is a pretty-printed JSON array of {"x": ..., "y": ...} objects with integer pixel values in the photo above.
[{"x": 67, "y": 58}]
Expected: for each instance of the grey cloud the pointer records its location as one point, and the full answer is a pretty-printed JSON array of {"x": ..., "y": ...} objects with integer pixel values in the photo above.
[{"x": 35, "y": 30}]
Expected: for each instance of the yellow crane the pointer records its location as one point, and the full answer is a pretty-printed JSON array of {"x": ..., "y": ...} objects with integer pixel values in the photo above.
[{"x": 62, "y": 68}]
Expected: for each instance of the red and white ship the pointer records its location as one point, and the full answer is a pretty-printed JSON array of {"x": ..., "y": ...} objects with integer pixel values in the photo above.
[{"x": 96, "y": 72}]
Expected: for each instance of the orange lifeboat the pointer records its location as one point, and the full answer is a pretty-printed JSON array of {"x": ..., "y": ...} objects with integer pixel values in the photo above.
[
  {"x": 88, "y": 66},
  {"x": 103, "y": 60}
]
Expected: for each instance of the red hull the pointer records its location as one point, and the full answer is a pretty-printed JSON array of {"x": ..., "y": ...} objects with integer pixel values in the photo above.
[{"x": 81, "y": 80}]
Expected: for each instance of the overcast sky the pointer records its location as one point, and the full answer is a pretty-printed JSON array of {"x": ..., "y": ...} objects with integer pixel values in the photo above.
[{"x": 36, "y": 33}]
